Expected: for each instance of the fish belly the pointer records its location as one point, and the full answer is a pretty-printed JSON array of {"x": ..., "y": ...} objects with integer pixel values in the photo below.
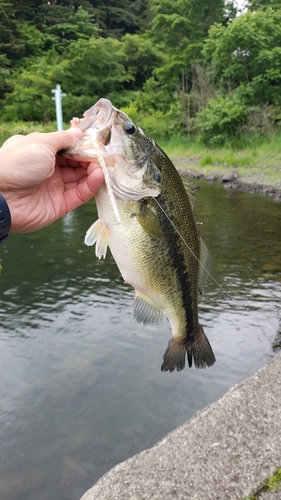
[{"x": 131, "y": 248}]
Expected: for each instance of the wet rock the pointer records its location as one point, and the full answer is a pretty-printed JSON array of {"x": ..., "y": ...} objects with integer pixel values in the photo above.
[
  {"x": 230, "y": 176},
  {"x": 211, "y": 177}
]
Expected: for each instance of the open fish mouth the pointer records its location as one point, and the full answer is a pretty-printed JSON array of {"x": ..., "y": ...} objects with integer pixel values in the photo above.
[{"x": 96, "y": 123}]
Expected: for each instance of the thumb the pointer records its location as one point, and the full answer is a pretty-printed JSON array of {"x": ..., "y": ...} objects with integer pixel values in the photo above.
[{"x": 64, "y": 138}]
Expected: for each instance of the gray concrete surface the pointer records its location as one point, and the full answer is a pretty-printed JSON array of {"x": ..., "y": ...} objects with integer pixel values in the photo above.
[{"x": 226, "y": 451}]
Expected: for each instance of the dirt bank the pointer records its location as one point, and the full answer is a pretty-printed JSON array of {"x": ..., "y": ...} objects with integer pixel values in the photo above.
[{"x": 251, "y": 181}]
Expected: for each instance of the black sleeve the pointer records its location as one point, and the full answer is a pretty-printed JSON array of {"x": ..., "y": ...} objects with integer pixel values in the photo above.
[{"x": 5, "y": 219}]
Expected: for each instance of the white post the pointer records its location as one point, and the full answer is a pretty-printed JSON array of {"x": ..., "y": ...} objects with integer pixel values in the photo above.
[{"x": 58, "y": 95}]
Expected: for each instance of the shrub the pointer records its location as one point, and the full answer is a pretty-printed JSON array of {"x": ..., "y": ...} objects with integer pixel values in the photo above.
[{"x": 221, "y": 119}]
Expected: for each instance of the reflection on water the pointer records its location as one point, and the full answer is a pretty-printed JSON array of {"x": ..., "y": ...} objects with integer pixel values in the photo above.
[{"x": 81, "y": 387}]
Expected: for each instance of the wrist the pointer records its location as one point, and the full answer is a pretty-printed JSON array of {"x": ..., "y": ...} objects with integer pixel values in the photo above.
[{"x": 5, "y": 219}]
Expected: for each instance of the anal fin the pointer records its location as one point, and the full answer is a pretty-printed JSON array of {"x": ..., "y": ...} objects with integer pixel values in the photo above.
[{"x": 145, "y": 311}]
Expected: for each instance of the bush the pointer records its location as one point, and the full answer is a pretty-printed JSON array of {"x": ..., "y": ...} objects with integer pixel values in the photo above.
[{"x": 221, "y": 119}]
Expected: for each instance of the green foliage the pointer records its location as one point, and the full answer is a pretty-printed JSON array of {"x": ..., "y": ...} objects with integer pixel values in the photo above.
[
  {"x": 221, "y": 119},
  {"x": 10, "y": 46},
  {"x": 31, "y": 95},
  {"x": 140, "y": 58},
  {"x": 80, "y": 25},
  {"x": 7, "y": 129},
  {"x": 180, "y": 66},
  {"x": 156, "y": 124},
  {"x": 30, "y": 99},
  {"x": 116, "y": 18},
  {"x": 31, "y": 39},
  {"x": 248, "y": 52},
  {"x": 263, "y": 4},
  {"x": 207, "y": 160},
  {"x": 180, "y": 27},
  {"x": 274, "y": 482},
  {"x": 94, "y": 69}
]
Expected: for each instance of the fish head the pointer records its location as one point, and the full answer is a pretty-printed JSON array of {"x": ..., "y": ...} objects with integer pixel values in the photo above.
[{"x": 129, "y": 154}]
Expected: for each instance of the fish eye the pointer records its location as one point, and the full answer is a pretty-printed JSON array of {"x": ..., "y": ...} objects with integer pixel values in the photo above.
[{"x": 129, "y": 128}]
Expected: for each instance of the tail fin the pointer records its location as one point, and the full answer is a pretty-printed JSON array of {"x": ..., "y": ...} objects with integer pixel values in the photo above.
[{"x": 199, "y": 351}]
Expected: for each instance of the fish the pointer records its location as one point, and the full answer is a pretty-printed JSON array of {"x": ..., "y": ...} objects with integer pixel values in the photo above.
[{"x": 151, "y": 230}]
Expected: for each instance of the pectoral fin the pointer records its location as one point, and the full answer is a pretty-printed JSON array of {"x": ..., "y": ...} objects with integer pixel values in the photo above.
[
  {"x": 145, "y": 311},
  {"x": 149, "y": 222},
  {"x": 98, "y": 233}
]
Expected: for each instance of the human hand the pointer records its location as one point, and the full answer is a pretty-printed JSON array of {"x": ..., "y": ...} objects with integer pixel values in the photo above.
[{"x": 41, "y": 186}]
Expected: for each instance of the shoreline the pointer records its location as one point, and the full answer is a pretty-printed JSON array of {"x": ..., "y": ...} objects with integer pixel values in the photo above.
[{"x": 231, "y": 180}]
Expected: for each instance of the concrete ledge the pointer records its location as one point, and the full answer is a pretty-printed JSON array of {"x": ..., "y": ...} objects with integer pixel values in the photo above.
[{"x": 224, "y": 452}]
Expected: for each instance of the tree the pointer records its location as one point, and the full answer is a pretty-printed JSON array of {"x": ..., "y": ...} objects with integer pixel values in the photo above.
[
  {"x": 253, "y": 5},
  {"x": 79, "y": 25},
  {"x": 140, "y": 58},
  {"x": 116, "y": 18},
  {"x": 247, "y": 54},
  {"x": 179, "y": 28},
  {"x": 10, "y": 46},
  {"x": 31, "y": 95},
  {"x": 94, "y": 68},
  {"x": 44, "y": 13}
]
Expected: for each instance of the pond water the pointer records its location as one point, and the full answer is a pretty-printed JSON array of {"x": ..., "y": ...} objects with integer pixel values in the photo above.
[{"x": 80, "y": 383}]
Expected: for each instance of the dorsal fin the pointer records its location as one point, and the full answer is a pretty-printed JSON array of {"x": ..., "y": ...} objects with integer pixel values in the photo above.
[
  {"x": 190, "y": 191},
  {"x": 204, "y": 266}
]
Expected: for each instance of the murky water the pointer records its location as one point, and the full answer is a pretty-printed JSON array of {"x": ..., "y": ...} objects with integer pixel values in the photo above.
[{"x": 80, "y": 384}]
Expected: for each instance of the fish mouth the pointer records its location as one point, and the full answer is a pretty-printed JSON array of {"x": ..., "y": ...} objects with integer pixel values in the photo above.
[{"x": 97, "y": 123}]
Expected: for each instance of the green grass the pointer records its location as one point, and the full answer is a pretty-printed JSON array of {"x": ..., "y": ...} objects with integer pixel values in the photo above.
[
  {"x": 7, "y": 129},
  {"x": 272, "y": 483},
  {"x": 258, "y": 161}
]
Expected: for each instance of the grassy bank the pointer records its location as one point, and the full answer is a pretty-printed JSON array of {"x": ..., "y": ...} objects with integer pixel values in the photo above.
[
  {"x": 7, "y": 129},
  {"x": 259, "y": 162}
]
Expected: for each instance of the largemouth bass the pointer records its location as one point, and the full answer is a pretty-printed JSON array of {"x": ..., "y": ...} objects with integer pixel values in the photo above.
[{"x": 154, "y": 237}]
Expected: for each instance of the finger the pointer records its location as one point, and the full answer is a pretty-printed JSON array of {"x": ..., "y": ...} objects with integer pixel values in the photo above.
[
  {"x": 67, "y": 162},
  {"x": 55, "y": 140},
  {"x": 70, "y": 175},
  {"x": 93, "y": 165},
  {"x": 84, "y": 191},
  {"x": 12, "y": 139},
  {"x": 64, "y": 138}
]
